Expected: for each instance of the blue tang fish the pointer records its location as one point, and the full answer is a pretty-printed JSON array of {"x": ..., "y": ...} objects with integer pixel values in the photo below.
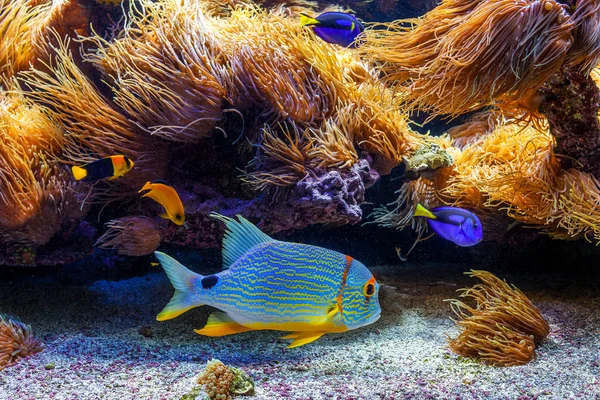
[
  {"x": 335, "y": 27},
  {"x": 457, "y": 225},
  {"x": 274, "y": 285}
]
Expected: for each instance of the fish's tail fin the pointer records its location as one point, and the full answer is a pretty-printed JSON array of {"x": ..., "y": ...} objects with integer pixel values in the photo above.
[
  {"x": 184, "y": 281},
  {"x": 423, "y": 212},
  {"x": 306, "y": 20},
  {"x": 78, "y": 172}
]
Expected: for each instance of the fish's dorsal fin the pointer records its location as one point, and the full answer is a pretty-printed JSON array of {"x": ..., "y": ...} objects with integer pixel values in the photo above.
[{"x": 240, "y": 237}]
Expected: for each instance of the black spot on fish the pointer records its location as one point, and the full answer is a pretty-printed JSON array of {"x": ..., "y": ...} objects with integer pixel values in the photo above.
[{"x": 209, "y": 281}]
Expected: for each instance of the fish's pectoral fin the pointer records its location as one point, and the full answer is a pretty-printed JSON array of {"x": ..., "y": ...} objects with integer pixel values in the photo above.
[
  {"x": 302, "y": 338},
  {"x": 333, "y": 312},
  {"x": 164, "y": 215},
  {"x": 221, "y": 324}
]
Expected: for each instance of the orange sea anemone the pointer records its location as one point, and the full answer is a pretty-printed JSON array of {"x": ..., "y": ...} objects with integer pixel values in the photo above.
[
  {"x": 506, "y": 172},
  {"x": 586, "y": 47},
  {"x": 37, "y": 195},
  {"x": 503, "y": 325},
  {"x": 93, "y": 127},
  {"x": 466, "y": 54},
  {"x": 280, "y": 68},
  {"x": 165, "y": 70},
  {"x": 16, "y": 341},
  {"x": 27, "y": 27}
]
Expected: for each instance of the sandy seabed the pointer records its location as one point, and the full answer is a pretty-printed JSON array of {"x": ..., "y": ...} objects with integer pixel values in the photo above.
[{"x": 94, "y": 341}]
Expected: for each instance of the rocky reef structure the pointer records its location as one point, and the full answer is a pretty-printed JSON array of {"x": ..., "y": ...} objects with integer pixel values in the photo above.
[
  {"x": 528, "y": 157},
  {"x": 245, "y": 112},
  {"x": 242, "y": 110}
]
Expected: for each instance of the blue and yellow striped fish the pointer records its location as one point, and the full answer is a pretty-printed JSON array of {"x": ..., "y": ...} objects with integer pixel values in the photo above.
[{"x": 269, "y": 284}]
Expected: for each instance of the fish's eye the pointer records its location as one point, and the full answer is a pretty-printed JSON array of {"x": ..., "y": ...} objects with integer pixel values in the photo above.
[
  {"x": 369, "y": 289},
  {"x": 177, "y": 217}
]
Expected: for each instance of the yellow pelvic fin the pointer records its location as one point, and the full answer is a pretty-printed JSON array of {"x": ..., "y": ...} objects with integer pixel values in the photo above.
[
  {"x": 221, "y": 324},
  {"x": 302, "y": 338},
  {"x": 165, "y": 215},
  {"x": 423, "y": 212},
  {"x": 306, "y": 20},
  {"x": 78, "y": 172}
]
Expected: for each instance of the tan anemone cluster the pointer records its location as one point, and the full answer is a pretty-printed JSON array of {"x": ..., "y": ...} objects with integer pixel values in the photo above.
[
  {"x": 178, "y": 65},
  {"x": 37, "y": 194},
  {"x": 170, "y": 75},
  {"x": 507, "y": 173},
  {"x": 16, "y": 341},
  {"x": 501, "y": 326},
  {"x": 466, "y": 54},
  {"x": 29, "y": 28}
]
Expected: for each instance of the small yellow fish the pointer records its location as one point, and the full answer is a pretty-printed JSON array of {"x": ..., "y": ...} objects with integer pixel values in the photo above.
[
  {"x": 154, "y": 264},
  {"x": 274, "y": 285},
  {"x": 110, "y": 167},
  {"x": 166, "y": 196}
]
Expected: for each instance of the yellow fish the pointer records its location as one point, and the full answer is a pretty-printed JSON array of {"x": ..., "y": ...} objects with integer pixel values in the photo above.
[
  {"x": 166, "y": 196},
  {"x": 274, "y": 285}
]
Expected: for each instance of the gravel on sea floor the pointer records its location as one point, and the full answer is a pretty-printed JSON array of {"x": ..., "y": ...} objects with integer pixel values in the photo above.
[{"x": 103, "y": 342}]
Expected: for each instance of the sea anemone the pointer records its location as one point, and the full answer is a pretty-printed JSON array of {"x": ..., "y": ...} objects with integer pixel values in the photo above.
[
  {"x": 131, "y": 236},
  {"x": 503, "y": 325},
  {"x": 16, "y": 341},
  {"x": 279, "y": 68},
  {"x": 37, "y": 195},
  {"x": 27, "y": 27},
  {"x": 506, "y": 172},
  {"x": 165, "y": 69},
  {"x": 94, "y": 128},
  {"x": 466, "y": 54},
  {"x": 586, "y": 46}
]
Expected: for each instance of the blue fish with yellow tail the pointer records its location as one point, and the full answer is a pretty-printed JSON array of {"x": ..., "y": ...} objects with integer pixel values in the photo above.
[
  {"x": 274, "y": 285},
  {"x": 335, "y": 27},
  {"x": 457, "y": 225}
]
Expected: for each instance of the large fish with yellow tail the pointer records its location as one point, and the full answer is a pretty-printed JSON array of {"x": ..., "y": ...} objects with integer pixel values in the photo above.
[{"x": 274, "y": 285}]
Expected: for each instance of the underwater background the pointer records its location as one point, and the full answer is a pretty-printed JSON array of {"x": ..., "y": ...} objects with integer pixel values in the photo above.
[{"x": 436, "y": 164}]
